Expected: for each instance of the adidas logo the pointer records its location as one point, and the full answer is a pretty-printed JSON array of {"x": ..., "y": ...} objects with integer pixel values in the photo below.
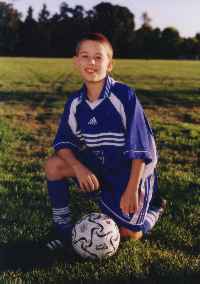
[{"x": 92, "y": 121}]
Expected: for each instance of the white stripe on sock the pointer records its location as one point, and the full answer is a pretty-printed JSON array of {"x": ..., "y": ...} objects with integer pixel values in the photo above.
[
  {"x": 60, "y": 220},
  {"x": 61, "y": 210}
]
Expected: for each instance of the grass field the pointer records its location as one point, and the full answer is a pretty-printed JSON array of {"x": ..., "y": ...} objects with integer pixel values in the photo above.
[{"x": 32, "y": 94}]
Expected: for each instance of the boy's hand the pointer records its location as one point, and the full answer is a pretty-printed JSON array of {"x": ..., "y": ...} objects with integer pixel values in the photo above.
[
  {"x": 87, "y": 180},
  {"x": 129, "y": 201}
]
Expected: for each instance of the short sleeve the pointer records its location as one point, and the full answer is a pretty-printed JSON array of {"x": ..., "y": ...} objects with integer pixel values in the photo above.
[
  {"x": 140, "y": 142},
  {"x": 65, "y": 136}
]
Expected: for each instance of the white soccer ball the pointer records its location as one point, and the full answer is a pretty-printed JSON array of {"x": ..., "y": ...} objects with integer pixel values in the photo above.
[{"x": 95, "y": 236}]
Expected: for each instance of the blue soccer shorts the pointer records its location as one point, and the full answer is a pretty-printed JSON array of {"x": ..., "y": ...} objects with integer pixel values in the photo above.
[{"x": 112, "y": 185}]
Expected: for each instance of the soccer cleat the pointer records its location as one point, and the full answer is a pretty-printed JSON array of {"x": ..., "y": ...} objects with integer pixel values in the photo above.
[
  {"x": 156, "y": 209},
  {"x": 158, "y": 204},
  {"x": 58, "y": 245},
  {"x": 163, "y": 204},
  {"x": 54, "y": 244}
]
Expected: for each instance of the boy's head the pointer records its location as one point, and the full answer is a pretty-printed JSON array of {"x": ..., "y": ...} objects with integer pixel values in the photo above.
[
  {"x": 93, "y": 57},
  {"x": 97, "y": 37}
]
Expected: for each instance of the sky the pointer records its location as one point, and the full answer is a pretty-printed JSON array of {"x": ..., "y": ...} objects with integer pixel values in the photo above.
[{"x": 181, "y": 14}]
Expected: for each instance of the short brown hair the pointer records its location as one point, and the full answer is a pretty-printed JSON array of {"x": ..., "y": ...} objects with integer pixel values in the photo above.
[{"x": 96, "y": 37}]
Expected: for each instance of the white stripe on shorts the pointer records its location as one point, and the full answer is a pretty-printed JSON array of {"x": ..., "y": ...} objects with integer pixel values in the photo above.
[{"x": 145, "y": 197}]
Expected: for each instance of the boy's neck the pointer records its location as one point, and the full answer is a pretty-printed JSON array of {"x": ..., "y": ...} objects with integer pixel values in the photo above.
[{"x": 94, "y": 89}]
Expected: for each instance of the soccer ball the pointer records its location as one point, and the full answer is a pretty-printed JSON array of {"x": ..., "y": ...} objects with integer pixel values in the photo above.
[{"x": 95, "y": 236}]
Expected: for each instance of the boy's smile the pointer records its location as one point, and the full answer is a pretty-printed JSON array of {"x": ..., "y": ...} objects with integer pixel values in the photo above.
[
  {"x": 90, "y": 70},
  {"x": 93, "y": 61}
]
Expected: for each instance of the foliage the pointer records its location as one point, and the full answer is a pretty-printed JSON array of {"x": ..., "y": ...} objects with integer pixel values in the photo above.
[
  {"x": 52, "y": 36},
  {"x": 9, "y": 28}
]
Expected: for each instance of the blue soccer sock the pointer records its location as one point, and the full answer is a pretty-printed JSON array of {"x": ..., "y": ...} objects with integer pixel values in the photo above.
[{"x": 59, "y": 196}]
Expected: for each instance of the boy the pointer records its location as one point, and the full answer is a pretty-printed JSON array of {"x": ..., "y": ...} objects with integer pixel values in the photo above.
[{"x": 105, "y": 142}]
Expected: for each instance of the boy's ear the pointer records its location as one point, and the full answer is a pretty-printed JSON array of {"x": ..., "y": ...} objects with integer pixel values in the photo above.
[{"x": 110, "y": 66}]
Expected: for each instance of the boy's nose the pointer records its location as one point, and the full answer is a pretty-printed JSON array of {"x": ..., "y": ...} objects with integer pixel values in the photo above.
[{"x": 92, "y": 61}]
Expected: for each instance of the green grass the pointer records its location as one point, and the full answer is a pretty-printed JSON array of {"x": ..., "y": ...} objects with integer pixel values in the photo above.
[{"x": 32, "y": 94}]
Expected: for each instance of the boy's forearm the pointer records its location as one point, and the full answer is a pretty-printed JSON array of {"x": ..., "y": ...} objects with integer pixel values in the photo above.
[
  {"x": 137, "y": 170},
  {"x": 69, "y": 157}
]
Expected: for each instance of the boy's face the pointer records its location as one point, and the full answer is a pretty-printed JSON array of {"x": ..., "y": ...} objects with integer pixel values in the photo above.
[{"x": 93, "y": 61}]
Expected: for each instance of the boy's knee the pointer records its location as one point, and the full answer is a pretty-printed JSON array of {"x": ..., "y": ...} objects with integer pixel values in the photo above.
[
  {"x": 52, "y": 167},
  {"x": 126, "y": 233}
]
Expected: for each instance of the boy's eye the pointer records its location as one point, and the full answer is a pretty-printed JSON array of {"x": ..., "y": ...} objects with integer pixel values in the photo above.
[{"x": 98, "y": 57}]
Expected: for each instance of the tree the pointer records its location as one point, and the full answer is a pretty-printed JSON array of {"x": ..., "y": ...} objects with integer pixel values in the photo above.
[
  {"x": 190, "y": 48},
  {"x": 117, "y": 23},
  {"x": 143, "y": 45},
  {"x": 29, "y": 34},
  {"x": 170, "y": 43},
  {"x": 78, "y": 12},
  {"x": 29, "y": 17},
  {"x": 141, "y": 42},
  {"x": 197, "y": 36},
  {"x": 65, "y": 11},
  {"x": 44, "y": 32},
  {"x": 9, "y": 28},
  {"x": 66, "y": 28},
  {"x": 44, "y": 15},
  {"x": 146, "y": 20}
]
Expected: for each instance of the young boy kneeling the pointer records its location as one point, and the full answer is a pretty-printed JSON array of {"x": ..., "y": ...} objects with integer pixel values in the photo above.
[{"x": 105, "y": 142}]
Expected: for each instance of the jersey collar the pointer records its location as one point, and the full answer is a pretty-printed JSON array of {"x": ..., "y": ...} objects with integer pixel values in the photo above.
[{"x": 105, "y": 91}]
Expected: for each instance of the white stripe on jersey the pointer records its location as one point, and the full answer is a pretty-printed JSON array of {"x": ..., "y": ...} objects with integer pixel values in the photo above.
[
  {"x": 107, "y": 89},
  {"x": 104, "y": 134},
  {"x": 105, "y": 139},
  {"x": 72, "y": 119},
  {"x": 149, "y": 169},
  {"x": 119, "y": 107},
  {"x": 135, "y": 151},
  {"x": 106, "y": 144},
  {"x": 79, "y": 135}
]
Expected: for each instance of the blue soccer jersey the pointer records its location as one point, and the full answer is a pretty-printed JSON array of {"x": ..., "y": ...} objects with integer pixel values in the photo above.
[{"x": 116, "y": 130}]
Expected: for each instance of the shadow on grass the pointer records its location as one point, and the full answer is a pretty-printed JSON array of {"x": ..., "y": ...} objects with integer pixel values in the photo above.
[
  {"x": 168, "y": 99},
  {"x": 26, "y": 255},
  {"x": 148, "y": 98},
  {"x": 32, "y": 99}
]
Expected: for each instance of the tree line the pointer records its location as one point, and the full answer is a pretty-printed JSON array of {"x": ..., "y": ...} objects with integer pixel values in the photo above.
[{"x": 56, "y": 35}]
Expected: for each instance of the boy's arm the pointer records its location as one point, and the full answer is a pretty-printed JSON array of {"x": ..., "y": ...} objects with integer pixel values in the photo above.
[
  {"x": 87, "y": 180},
  {"x": 129, "y": 199}
]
